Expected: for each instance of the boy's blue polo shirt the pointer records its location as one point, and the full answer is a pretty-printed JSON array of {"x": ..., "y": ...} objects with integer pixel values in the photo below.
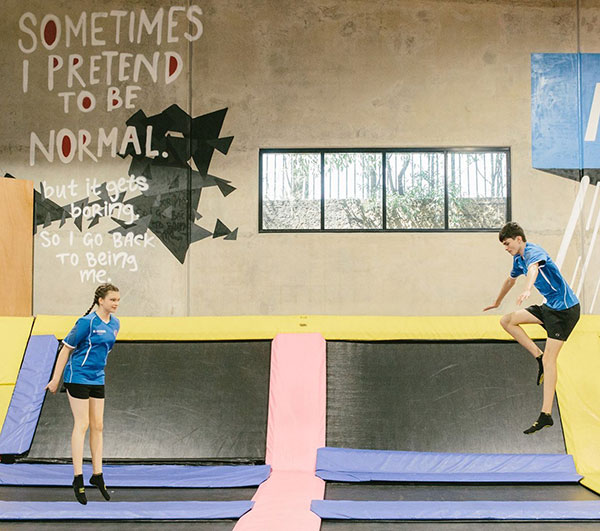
[
  {"x": 549, "y": 282},
  {"x": 92, "y": 339}
]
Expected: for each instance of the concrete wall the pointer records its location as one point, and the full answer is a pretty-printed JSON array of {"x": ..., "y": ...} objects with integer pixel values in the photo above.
[{"x": 316, "y": 73}]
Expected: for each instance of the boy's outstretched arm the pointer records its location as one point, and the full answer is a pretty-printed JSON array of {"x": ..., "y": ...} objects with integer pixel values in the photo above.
[
  {"x": 532, "y": 273},
  {"x": 506, "y": 287}
]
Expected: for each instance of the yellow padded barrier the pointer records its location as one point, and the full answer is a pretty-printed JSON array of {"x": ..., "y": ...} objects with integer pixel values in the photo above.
[
  {"x": 6, "y": 392},
  {"x": 358, "y": 328},
  {"x": 578, "y": 365},
  {"x": 14, "y": 334},
  {"x": 578, "y": 394},
  {"x": 592, "y": 481}
]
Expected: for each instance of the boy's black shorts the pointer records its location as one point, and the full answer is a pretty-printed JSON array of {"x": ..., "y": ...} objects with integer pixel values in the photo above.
[
  {"x": 558, "y": 323},
  {"x": 84, "y": 391}
]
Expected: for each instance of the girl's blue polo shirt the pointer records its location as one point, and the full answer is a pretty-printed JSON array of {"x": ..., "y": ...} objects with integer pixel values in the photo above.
[
  {"x": 92, "y": 339},
  {"x": 549, "y": 282}
]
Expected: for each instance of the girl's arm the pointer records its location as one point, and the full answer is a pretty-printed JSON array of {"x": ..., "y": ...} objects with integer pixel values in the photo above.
[{"x": 63, "y": 356}]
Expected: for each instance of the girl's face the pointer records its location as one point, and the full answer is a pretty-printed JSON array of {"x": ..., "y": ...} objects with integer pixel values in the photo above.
[{"x": 110, "y": 302}]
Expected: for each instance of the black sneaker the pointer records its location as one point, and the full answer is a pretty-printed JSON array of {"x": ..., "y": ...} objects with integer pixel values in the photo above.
[
  {"x": 543, "y": 420},
  {"x": 540, "y": 376},
  {"x": 98, "y": 481},
  {"x": 79, "y": 489}
]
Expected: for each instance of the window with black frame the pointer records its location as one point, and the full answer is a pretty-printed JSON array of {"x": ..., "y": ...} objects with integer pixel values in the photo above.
[{"x": 466, "y": 189}]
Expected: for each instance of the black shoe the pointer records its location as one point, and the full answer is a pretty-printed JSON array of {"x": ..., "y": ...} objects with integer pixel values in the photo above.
[
  {"x": 79, "y": 489},
  {"x": 543, "y": 420},
  {"x": 540, "y": 376},
  {"x": 98, "y": 481}
]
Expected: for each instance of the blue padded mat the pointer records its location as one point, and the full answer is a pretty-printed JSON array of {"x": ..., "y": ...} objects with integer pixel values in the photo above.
[
  {"x": 28, "y": 396},
  {"x": 344, "y": 464},
  {"x": 138, "y": 475},
  {"x": 457, "y": 510},
  {"x": 188, "y": 510}
]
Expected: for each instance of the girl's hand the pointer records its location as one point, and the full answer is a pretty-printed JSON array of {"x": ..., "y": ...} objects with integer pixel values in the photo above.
[{"x": 52, "y": 386}]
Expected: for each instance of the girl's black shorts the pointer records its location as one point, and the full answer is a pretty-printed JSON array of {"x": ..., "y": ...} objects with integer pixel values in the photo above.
[
  {"x": 558, "y": 323},
  {"x": 84, "y": 391}
]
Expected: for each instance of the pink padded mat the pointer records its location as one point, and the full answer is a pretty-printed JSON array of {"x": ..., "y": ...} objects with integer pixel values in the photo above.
[{"x": 296, "y": 428}]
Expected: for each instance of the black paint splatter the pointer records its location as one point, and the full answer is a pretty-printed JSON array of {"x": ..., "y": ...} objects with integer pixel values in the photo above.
[
  {"x": 169, "y": 208},
  {"x": 175, "y": 177}
]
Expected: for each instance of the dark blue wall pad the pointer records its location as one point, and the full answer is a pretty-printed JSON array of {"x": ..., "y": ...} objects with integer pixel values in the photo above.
[
  {"x": 188, "y": 510},
  {"x": 179, "y": 476},
  {"x": 467, "y": 510},
  {"x": 28, "y": 396},
  {"x": 344, "y": 464}
]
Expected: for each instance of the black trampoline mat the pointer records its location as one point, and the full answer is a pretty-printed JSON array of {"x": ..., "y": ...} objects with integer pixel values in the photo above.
[
  {"x": 173, "y": 401},
  {"x": 107, "y": 525},
  {"x": 457, "y": 492},
  {"x": 65, "y": 494},
  {"x": 62, "y": 494},
  {"x": 465, "y": 397},
  {"x": 330, "y": 525}
]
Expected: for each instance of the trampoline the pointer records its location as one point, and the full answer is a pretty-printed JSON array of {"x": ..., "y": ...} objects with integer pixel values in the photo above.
[
  {"x": 219, "y": 404},
  {"x": 440, "y": 396},
  {"x": 173, "y": 402},
  {"x": 182, "y": 403}
]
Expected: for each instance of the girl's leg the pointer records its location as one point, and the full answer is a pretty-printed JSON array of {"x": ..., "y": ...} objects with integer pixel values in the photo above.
[
  {"x": 511, "y": 321},
  {"x": 80, "y": 410},
  {"x": 96, "y": 427}
]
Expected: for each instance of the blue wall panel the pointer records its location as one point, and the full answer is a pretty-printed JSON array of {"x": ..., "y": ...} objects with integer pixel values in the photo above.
[{"x": 556, "y": 129}]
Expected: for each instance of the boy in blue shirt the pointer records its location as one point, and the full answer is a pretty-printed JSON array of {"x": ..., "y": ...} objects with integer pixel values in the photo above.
[{"x": 558, "y": 314}]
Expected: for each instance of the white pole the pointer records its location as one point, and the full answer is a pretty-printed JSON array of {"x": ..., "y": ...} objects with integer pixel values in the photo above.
[
  {"x": 575, "y": 213},
  {"x": 578, "y": 263},
  {"x": 590, "y": 251},
  {"x": 589, "y": 220},
  {"x": 595, "y": 297}
]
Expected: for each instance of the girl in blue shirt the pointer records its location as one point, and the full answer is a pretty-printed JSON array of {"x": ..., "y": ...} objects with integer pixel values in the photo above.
[{"x": 83, "y": 358}]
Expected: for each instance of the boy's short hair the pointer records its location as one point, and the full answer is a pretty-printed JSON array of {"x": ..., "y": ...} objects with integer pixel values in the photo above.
[{"x": 511, "y": 230}]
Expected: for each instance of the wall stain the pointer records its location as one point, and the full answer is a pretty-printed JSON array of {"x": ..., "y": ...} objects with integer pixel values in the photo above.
[
  {"x": 489, "y": 58},
  {"x": 348, "y": 29}
]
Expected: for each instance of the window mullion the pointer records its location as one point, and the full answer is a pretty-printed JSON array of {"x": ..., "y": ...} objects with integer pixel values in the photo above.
[
  {"x": 446, "y": 225},
  {"x": 383, "y": 190},
  {"x": 322, "y": 190}
]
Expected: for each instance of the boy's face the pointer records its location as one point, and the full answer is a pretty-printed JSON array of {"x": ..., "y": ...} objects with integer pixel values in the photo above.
[{"x": 513, "y": 245}]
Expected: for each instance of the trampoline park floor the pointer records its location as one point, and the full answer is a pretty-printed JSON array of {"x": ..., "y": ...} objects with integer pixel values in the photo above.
[
  {"x": 62, "y": 494},
  {"x": 378, "y": 396},
  {"x": 454, "y": 492},
  {"x": 334, "y": 491},
  {"x": 458, "y": 526}
]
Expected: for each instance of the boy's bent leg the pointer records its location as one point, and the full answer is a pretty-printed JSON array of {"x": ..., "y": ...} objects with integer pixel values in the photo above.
[
  {"x": 551, "y": 352},
  {"x": 511, "y": 321}
]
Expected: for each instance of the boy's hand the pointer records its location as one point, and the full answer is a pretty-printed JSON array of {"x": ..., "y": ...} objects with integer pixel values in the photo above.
[
  {"x": 523, "y": 296},
  {"x": 491, "y": 307}
]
